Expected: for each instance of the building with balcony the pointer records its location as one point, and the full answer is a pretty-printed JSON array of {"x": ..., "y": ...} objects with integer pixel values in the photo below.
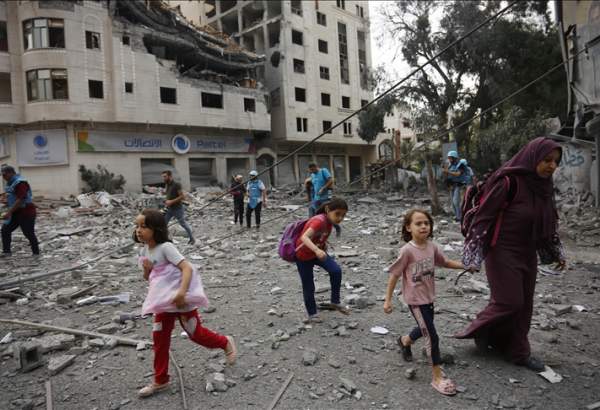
[
  {"x": 317, "y": 73},
  {"x": 130, "y": 85}
]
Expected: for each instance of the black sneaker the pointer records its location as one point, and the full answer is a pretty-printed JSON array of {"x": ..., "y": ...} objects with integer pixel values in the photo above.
[
  {"x": 192, "y": 241},
  {"x": 533, "y": 363}
]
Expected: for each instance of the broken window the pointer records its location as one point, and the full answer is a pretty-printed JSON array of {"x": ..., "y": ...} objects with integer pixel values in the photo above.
[
  {"x": 297, "y": 37},
  {"x": 300, "y": 94},
  {"x": 323, "y": 46},
  {"x": 210, "y": 10},
  {"x": 363, "y": 102},
  {"x": 276, "y": 97},
  {"x": 343, "y": 43},
  {"x": 273, "y": 30},
  {"x": 360, "y": 11},
  {"x": 126, "y": 40},
  {"x": 202, "y": 172},
  {"x": 237, "y": 166},
  {"x": 297, "y": 7},
  {"x": 341, "y": 4},
  {"x": 406, "y": 123},
  {"x": 301, "y": 124},
  {"x": 324, "y": 72},
  {"x": 298, "y": 66},
  {"x": 321, "y": 19},
  {"x": 211, "y": 100},
  {"x": 168, "y": 95},
  {"x": 96, "y": 89},
  {"x": 43, "y": 33},
  {"x": 347, "y": 128},
  {"x": 3, "y": 37},
  {"x": 325, "y": 99},
  {"x": 5, "y": 89},
  {"x": 345, "y": 102},
  {"x": 362, "y": 59},
  {"x": 47, "y": 84},
  {"x": 249, "y": 105},
  {"x": 129, "y": 88},
  {"x": 326, "y": 127},
  {"x": 92, "y": 40}
]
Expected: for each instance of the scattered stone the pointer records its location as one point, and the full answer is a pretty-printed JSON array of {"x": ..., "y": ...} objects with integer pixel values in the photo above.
[
  {"x": 22, "y": 301},
  {"x": 379, "y": 330},
  {"x": 410, "y": 373},
  {"x": 309, "y": 358},
  {"x": 22, "y": 404},
  {"x": 593, "y": 406},
  {"x": 57, "y": 364},
  {"x": 333, "y": 363},
  {"x": 248, "y": 258},
  {"x": 6, "y": 339},
  {"x": 208, "y": 309},
  {"x": 348, "y": 384},
  {"x": 574, "y": 324},
  {"x": 341, "y": 331},
  {"x": 216, "y": 382},
  {"x": 276, "y": 290},
  {"x": 111, "y": 343},
  {"x": 561, "y": 309},
  {"x": 322, "y": 288},
  {"x": 51, "y": 343},
  {"x": 368, "y": 201},
  {"x": 141, "y": 346},
  {"x": 98, "y": 342}
]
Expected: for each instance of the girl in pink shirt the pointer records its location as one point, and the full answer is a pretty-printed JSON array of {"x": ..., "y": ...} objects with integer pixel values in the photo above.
[{"x": 415, "y": 265}]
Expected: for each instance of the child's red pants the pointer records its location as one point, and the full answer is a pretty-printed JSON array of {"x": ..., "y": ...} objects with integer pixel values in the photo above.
[{"x": 161, "y": 336}]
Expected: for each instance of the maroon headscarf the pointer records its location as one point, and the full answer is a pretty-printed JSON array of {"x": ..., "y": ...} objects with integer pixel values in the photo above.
[{"x": 524, "y": 163}]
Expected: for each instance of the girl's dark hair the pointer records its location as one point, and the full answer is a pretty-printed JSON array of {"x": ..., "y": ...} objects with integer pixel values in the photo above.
[
  {"x": 332, "y": 205},
  {"x": 407, "y": 236},
  {"x": 155, "y": 220}
]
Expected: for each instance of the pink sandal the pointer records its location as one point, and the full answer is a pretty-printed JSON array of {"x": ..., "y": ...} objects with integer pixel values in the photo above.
[
  {"x": 445, "y": 387},
  {"x": 230, "y": 351}
]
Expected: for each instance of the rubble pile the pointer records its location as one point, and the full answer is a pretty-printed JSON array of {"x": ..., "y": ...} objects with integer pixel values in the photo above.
[{"x": 95, "y": 348}]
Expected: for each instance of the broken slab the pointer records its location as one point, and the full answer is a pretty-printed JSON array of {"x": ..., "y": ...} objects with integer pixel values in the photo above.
[
  {"x": 57, "y": 364},
  {"x": 560, "y": 309},
  {"x": 29, "y": 356},
  {"x": 51, "y": 343}
]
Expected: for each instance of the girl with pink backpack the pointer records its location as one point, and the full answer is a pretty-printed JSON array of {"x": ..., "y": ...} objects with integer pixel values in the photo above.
[{"x": 174, "y": 292}]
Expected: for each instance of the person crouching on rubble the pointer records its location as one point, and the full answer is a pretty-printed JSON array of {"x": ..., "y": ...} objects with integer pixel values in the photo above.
[
  {"x": 415, "y": 266},
  {"x": 174, "y": 292}
]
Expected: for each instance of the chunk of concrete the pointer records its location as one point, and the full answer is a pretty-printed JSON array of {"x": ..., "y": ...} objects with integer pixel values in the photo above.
[
  {"x": 57, "y": 364},
  {"x": 29, "y": 356}
]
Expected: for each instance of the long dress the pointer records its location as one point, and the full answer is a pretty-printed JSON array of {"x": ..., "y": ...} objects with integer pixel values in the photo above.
[{"x": 511, "y": 267}]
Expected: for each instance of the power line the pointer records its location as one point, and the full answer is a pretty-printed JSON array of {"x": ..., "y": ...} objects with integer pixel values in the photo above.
[{"x": 382, "y": 95}]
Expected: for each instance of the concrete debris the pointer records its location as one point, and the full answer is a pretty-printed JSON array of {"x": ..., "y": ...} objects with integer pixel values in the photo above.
[
  {"x": 309, "y": 358},
  {"x": 551, "y": 375},
  {"x": 379, "y": 330},
  {"x": 51, "y": 343},
  {"x": 410, "y": 373},
  {"x": 593, "y": 406},
  {"x": 57, "y": 364},
  {"x": 29, "y": 356}
]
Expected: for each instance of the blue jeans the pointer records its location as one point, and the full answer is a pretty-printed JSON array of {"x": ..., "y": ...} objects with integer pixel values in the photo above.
[
  {"x": 179, "y": 214},
  {"x": 306, "y": 270},
  {"x": 456, "y": 198}
]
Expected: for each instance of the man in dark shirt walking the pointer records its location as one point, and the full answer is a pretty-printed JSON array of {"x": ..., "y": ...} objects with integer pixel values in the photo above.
[
  {"x": 21, "y": 211},
  {"x": 174, "y": 203}
]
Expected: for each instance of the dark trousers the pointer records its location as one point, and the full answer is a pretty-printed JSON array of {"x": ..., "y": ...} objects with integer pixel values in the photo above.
[
  {"x": 256, "y": 215},
  {"x": 423, "y": 314},
  {"x": 238, "y": 209},
  {"x": 27, "y": 225},
  {"x": 306, "y": 271}
]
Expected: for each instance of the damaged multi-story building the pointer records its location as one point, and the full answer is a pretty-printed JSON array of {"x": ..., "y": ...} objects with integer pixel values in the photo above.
[
  {"x": 127, "y": 84},
  {"x": 317, "y": 73}
]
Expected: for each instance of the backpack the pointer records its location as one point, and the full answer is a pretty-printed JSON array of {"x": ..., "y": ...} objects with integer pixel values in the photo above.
[
  {"x": 287, "y": 244},
  {"x": 476, "y": 195},
  {"x": 469, "y": 175}
]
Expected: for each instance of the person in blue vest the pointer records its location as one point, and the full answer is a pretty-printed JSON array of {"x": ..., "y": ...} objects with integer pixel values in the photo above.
[
  {"x": 321, "y": 187},
  {"x": 257, "y": 197},
  {"x": 458, "y": 175},
  {"x": 21, "y": 211}
]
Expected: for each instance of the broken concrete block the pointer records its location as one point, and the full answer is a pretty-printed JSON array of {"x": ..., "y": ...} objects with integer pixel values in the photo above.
[
  {"x": 57, "y": 364},
  {"x": 309, "y": 358},
  {"x": 216, "y": 382},
  {"x": 410, "y": 373},
  {"x": 29, "y": 356},
  {"x": 60, "y": 341},
  {"x": 348, "y": 384},
  {"x": 109, "y": 329},
  {"x": 560, "y": 309}
]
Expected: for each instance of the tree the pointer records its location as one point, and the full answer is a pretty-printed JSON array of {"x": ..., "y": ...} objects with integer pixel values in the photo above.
[
  {"x": 371, "y": 119},
  {"x": 482, "y": 69}
]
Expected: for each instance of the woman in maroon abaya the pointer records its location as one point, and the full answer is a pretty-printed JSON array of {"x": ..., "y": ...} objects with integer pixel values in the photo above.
[{"x": 519, "y": 197}]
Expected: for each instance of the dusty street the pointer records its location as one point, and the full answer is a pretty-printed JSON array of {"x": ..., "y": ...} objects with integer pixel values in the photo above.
[{"x": 256, "y": 297}]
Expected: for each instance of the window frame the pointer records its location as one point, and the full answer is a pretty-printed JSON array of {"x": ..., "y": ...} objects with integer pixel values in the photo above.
[
  {"x": 323, "y": 46},
  {"x": 163, "y": 95},
  {"x": 326, "y": 126},
  {"x": 295, "y": 33},
  {"x": 301, "y": 124},
  {"x": 130, "y": 83},
  {"x": 321, "y": 19},
  {"x": 298, "y": 63},
  {"x": 252, "y": 106},
  {"x": 3, "y": 41},
  {"x": 45, "y": 33},
  {"x": 89, "y": 40},
  {"x": 344, "y": 99},
  {"x": 95, "y": 83},
  {"x": 327, "y": 101},
  {"x": 302, "y": 94},
  {"x": 48, "y": 84},
  {"x": 324, "y": 70},
  {"x": 204, "y": 99}
]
